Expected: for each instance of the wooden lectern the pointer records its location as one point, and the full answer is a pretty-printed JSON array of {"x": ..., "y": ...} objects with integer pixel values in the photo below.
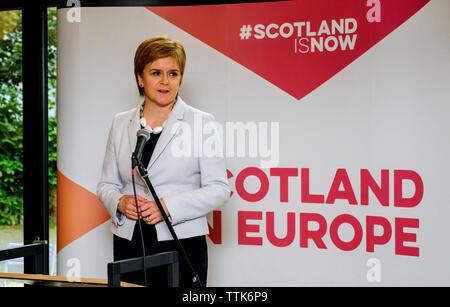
[
  {"x": 167, "y": 259},
  {"x": 41, "y": 280}
]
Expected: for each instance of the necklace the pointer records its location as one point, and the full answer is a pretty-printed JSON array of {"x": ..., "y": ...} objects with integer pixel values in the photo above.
[
  {"x": 155, "y": 130},
  {"x": 143, "y": 121}
]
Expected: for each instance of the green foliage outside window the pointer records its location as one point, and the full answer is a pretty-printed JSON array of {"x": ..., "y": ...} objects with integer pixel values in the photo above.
[{"x": 11, "y": 140}]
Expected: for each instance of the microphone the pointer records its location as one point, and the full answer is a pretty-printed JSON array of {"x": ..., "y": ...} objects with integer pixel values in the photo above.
[{"x": 142, "y": 137}]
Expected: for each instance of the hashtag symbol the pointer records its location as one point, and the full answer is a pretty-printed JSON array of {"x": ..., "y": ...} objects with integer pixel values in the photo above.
[{"x": 246, "y": 32}]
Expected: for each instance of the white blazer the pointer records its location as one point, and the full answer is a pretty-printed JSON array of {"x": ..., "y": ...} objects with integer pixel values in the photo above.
[{"x": 191, "y": 185}]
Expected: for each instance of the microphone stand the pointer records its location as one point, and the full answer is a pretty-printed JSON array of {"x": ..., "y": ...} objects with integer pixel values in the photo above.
[{"x": 144, "y": 174}]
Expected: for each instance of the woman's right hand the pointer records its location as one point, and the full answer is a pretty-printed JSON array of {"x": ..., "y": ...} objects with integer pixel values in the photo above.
[{"x": 127, "y": 206}]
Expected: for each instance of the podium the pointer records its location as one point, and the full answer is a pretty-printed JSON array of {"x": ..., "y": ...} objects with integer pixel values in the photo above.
[{"x": 169, "y": 260}]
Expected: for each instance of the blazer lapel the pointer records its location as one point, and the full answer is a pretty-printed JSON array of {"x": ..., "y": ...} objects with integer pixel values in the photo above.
[
  {"x": 133, "y": 128},
  {"x": 175, "y": 115}
]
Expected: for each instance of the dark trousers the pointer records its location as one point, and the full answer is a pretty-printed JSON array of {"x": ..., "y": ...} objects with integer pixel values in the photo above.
[{"x": 195, "y": 247}]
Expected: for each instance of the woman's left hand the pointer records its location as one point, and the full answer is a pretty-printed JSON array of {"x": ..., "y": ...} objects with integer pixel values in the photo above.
[{"x": 150, "y": 212}]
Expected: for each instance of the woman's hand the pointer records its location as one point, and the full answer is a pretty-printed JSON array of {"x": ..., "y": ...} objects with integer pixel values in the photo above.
[
  {"x": 150, "y": 211},
  {"x": 127, "y": 206}
]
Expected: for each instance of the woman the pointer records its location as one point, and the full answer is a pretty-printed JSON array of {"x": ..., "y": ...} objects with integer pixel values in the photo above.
[{"x": 189, "y": 186}]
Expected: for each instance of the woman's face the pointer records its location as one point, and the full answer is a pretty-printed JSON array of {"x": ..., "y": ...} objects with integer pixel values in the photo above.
[{"x": 161, "y": 79}]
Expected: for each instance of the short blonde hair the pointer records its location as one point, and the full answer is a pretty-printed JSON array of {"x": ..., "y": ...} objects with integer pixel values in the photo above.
[{"x": 155, "y": 48}]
